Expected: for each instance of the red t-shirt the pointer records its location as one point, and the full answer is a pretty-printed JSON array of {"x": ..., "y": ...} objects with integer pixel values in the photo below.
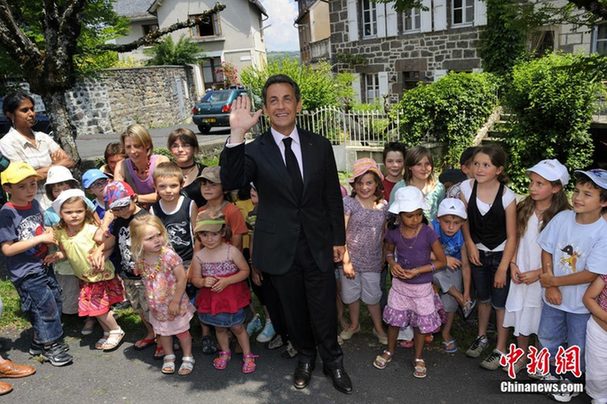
[{"x": 388, "y": 185}]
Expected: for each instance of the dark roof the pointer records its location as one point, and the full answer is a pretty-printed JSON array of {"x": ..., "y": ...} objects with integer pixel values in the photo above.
[
  {"x": 133, "y": 8},
  {"x": 260, "y": 6}
]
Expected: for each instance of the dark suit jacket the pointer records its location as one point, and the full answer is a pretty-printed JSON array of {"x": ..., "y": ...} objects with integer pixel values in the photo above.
[{"x": 280, "y": 217}]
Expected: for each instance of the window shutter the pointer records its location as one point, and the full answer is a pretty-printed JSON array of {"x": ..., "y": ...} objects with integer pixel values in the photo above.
[
  {"x": 356, "y": 87},
  {"x": 426, "y": 16},
  {"x": 440, "y": 15},
  {"x": 439, "y": 73},
  {"x": 384, "y": 88},
  {"x": 352, "y": 21},
  {"x": 480, "y": 12},
  {"x": 381, "y": 19},
  {"x": 391, "y": 20}
]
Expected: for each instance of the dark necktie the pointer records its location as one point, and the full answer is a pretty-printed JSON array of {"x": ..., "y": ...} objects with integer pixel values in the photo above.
[{"x": 293, "y": 168}]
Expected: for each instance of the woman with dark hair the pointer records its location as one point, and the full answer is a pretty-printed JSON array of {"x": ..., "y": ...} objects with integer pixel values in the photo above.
[
  {"x": 22, "y": 143},
  {"x": 183, "y": 145}
]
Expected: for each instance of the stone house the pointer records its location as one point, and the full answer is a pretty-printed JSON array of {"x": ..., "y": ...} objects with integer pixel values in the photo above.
[
  {"x": 314, "y": 31},
  {"x": 390, "y": 52},
  {"x": 234, "y": 35}
]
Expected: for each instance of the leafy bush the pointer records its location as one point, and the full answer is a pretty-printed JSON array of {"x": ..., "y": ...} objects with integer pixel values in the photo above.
[
  {"x": 553, "y": 101},
  {"x": 317, "y": 84},
  {"x": 450, "y": 110},
  {"x": 168, "y": 52}
]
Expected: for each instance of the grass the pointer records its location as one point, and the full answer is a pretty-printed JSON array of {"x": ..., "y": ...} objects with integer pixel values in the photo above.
[{"x": 12, "y": 317}]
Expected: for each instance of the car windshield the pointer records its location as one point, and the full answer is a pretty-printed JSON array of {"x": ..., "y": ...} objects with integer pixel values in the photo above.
[{"x": 216, "y": 96}]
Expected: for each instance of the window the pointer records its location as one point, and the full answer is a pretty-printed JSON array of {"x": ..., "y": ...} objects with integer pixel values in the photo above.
[
  {"x": 369, "y": 14},
  {"x": 212, "y": 72},
  {"x": 371, "y": 83},
  {"x": 147, "y": 28},
  {"x": 207, "y": 26},
  {"x": 601, "y": 39},
  {"x": 542, "y": 42},
  {"x": 410, "y": 80},
  {"x": 412, "y": 20},
  {"x": 462, "y": 12}
]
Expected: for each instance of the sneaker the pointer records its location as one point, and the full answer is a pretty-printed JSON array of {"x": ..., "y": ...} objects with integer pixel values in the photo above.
[
  {"x": 349, "y": 333},
  {"x": 468, "y": 308},
  {"x": 208, "y": 345},
  {"x": 267, "y": 333},
  {"x": 254, "y": 325},
  {"x": 276, "y": 342},
  {"x": 518, "y": 366},
  {"x": 290, "y": 352},
  {"x": 563, "y": 396},
  {"x": 492, "y": 362},
  {"x": 38, "y": 349},
  {"x": 477, "y": 347},
  {"x": 56, "y": 355}
]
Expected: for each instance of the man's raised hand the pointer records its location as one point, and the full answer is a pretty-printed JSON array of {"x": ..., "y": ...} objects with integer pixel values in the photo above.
[{"x": 241, "y": 118}]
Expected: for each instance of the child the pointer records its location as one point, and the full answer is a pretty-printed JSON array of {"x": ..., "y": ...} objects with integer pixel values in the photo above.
[
  {"x": 466, "y": 161},
  {"x": 394, "y": 162},
  {"x": 59, "y": 179},
  {"x": 595, "y": 300},
  {"x": 114, "y": 153},
  {"x": 220, "y": 271},
  {"x": 176, "y": 212},
  {"x": 419, "y": 172},
  {"x": 100, "y": 288},
  {"x": 365, "y": 216},
  {"x": 450, "y": 219},
  {"x": 165, "y": 279},
  {"x": 574, "y": 252},
  {"x": 546, "y": 199},
  {"x": 93, "y": 182},
  {"x": 490, "y": 235},
  {"x": 23, "y": 242},
  {"x": 412, "y": 301},
  {"x": 118, "y": 197}
]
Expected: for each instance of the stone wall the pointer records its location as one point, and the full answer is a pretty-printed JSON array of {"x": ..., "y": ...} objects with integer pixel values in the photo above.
[{"x": 152, "y": 96}]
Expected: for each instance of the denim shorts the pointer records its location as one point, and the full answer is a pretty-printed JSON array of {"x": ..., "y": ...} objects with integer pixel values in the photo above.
[
  {"x": 483, "y": 277},
  {"x": 224, "y": 320},
  {"x": 41, "y": 300}
]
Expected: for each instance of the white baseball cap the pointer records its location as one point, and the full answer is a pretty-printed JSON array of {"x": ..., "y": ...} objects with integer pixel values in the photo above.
[
  {"x": 57, "y": 174},
  {"x": 64, "y": 196},
  {"x": 597, "y": 175},
  {"x": 552, "y": 170},
  {"x": 407, "y": 199},
  {"x": 452, "y": 206}
]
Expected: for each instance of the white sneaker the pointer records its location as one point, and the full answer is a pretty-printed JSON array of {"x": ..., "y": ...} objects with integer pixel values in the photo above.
[{"x": 267, "y": 333}]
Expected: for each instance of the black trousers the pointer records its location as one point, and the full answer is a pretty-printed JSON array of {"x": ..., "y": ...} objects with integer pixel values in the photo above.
[{"x": 307, "y": 296}]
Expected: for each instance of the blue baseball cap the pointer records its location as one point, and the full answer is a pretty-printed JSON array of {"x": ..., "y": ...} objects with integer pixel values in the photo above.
[{"x": 92, "y": 175}]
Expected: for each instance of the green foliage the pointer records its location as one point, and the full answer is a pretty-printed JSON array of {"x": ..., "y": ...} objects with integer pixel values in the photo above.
[
  {"x": 167, "y": 52},
  {"x": 450, "y": 110},
  {"x": 317, "y": 84},
  {"x": 503, "y": 41},
  {"x": 11, "y": 315},
  {"x": 554, "y": 104}
]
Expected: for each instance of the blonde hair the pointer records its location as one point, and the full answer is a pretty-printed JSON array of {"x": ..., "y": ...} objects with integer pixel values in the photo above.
[
  {"x": 137, "y": 230},
  {"x": 414, "y": 156},
  {"x": 88, "y": 214},
  {"x": 140, "y": 135},
  {"x": 168, "y": 169}
]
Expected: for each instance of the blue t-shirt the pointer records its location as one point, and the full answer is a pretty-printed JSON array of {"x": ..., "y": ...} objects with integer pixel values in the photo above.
[
  {"x": 574, "y": 247},
  {"x": 451, "y": 244},
  {"x": 100, "y": 209},
  {"x": 19, "y": 223}
]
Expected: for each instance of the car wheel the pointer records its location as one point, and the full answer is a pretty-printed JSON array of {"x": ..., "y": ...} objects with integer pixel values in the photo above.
[{"x": 204, "y": 129}]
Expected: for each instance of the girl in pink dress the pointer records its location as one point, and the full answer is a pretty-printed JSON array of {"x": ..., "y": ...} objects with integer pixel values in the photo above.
[{"x": 165, "y": 280}]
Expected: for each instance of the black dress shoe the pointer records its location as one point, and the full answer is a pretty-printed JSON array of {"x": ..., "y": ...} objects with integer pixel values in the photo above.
[
  {"x": 302, "y": 375},
  {"x": 341, "y": 380}
]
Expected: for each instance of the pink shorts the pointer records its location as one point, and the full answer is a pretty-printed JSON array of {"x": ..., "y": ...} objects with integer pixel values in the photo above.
[{"x": 96, "y": 298}]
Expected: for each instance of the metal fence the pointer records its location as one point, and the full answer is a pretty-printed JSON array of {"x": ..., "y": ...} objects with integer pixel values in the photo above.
[{"x": 352, "y": 128}]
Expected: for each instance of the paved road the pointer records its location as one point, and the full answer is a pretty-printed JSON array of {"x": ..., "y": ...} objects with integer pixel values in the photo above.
[
  {"x": 130, "y": 376},
  {"x": 91, "y": 147}
]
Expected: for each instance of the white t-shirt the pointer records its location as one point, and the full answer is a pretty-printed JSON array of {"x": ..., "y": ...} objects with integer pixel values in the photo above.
[
  {"x": 574, "y": 247},
  {"x": 507, "y": 198}
]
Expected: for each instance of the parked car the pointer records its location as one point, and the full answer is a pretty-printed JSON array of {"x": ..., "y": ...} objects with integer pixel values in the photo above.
[
  {"x": 43, "y": 123},
  {"x": 214, "y": 108}
]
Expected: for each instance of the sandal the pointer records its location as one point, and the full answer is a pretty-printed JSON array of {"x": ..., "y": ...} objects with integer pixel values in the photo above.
[
  {"x": 221, "y": 362},
  {"x": 450, "y": 346},
  {"x": 113, "y": 340},
  {"x": 187, "y": 365},
  {"x": 89, "y": 326},
  {"x": 168, "y": 364},
  {"x": 248, "y": 364},
  {"x": 420, "y": 369},
  {"x": 381, "y": 361},
  {"x": 99, "y": 344},
  {"x": 159, "y": 352},
  {"x": 144, "y": 343}
]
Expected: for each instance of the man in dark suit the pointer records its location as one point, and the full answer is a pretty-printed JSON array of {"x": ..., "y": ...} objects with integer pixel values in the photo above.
[{"x": 299, "y": 231}]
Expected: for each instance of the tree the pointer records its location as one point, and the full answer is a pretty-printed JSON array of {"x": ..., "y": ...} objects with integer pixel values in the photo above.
[
  {"x": 168, "y": 52},
  {"x": 52, "y": 42}
]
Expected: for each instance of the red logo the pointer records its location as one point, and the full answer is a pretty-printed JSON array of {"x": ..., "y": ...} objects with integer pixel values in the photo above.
[
  {"x": 568, "y": 360},
  {"x": 510, "y": 359},
  {"x": 539, "y": 361}
]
